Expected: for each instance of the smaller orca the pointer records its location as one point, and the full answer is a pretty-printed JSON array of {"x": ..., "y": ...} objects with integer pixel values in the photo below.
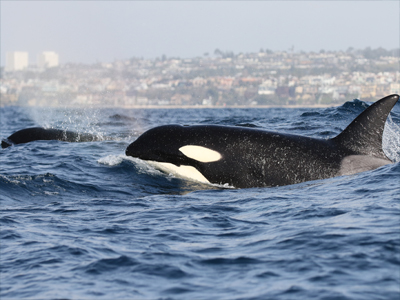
[
  {"x": 38, "y": 133},
  {"x": 247, "y": 157}
]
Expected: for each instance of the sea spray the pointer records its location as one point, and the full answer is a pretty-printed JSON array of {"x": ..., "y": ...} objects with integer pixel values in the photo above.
[
  {"x": 81, "y": 120},
  {"x": 391, "y": 140}
]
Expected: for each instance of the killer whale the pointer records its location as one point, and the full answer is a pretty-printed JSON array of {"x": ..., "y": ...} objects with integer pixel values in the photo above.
[
  {"x": 247, "y": 157},
  {"x": 38, "y": 133}
]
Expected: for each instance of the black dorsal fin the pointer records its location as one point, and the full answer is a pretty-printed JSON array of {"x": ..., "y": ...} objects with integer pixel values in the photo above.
[{"x": 364, "y": 134}]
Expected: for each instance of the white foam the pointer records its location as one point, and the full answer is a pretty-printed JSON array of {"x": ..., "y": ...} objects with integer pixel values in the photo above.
[
  {"x": 10, "y": 180},
  {"x": 51, "y": 193},
  {"x": 111, "y": 160},
  {"x": 164, "y": 169}
]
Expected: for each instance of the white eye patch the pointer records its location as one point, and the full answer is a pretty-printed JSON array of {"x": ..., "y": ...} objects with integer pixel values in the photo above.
[{"x": 200, "y": 153}]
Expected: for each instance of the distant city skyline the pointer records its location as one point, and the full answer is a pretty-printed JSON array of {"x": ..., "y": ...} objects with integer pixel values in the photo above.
[
  {"x": 104, "y": 31},
  {"x": 19, "y": 60},
  {"x": 251, "y": 79}
]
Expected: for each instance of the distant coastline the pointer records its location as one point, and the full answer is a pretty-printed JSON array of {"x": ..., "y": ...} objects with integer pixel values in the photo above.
[
  {"x": 222, "y": 107},
  {"x": 261, "y": 79},
  {"x": 180, "y": 106}
]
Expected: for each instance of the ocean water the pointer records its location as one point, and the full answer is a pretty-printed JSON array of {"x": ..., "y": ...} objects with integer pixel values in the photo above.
[{"x": 83, "y": 221}]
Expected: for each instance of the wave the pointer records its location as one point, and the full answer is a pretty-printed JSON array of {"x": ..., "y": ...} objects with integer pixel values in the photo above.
[{"x": 85, "y": 221}]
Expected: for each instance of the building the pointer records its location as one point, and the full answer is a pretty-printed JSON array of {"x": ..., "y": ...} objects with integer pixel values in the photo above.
[
  {"x": 47, "y": 59},
  {"x": 16, "y": 61}
]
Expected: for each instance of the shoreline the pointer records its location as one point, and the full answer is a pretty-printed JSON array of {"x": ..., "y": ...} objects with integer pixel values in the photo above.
[
  {"x": 221, "y": 107},
  {"x": 180, "y": 106}
]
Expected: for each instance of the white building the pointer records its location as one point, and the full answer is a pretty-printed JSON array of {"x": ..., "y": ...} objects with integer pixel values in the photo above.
[
  {"x": 16, "y": 61},
  {"x": 268, "y": 87},
  {"x": 395, "y": 88},
  {"x": 47, "y": 59}
]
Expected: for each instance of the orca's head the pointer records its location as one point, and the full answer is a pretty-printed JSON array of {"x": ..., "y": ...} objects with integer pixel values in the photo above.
[{"x": 173, "y": 144}]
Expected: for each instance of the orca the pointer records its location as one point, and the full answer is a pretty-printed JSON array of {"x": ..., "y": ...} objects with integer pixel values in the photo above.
[
  {"x": 248, "y": 157},
  {"x": 38, "y": 133}
]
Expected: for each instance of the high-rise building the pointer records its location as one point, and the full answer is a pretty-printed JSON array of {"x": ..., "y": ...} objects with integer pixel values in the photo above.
[
  {"x": 47, "y": 59},
  {"x": 16, "y": 61}
]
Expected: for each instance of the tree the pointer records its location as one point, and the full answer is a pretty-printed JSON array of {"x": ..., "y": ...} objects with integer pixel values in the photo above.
[{"x": 218, "y": 52}]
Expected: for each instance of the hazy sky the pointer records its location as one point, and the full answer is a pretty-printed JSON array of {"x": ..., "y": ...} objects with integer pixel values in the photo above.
[{"x": 90, "y": 31}]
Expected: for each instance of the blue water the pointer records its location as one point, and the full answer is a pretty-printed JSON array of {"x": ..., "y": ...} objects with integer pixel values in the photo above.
[{"x": 83, "y": 221}]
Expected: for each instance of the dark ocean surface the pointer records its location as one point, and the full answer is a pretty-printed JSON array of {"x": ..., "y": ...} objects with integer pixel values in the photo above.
[{"x": 83, "y": 221}]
